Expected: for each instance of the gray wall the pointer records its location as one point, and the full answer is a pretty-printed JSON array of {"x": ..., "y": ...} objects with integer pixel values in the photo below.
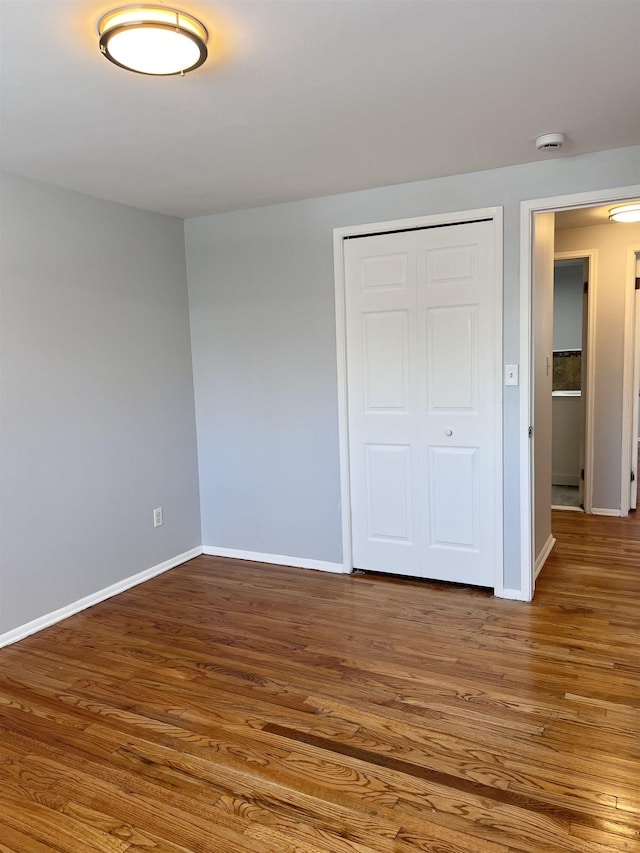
[
  {"x": 261, "y": 291},
  {"x": 567, "y": 306},
  {"x": 97, "y": 397}
]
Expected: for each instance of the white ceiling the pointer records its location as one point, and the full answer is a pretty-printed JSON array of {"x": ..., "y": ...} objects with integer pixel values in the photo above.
[
  {"x": 584, "y": 217},
  {"x": 312, "y": 97}
]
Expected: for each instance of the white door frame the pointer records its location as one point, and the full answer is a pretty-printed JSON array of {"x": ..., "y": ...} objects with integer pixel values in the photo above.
[
  {"x": 339, "y": 235},
  {"x": 630, "y": 380},
  {"x": 588, "y": 379},
  {"x": 528, "y": 209}
]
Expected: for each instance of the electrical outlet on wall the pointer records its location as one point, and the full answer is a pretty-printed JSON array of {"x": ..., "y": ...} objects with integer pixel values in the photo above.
[{"x": 157, "y": 517}]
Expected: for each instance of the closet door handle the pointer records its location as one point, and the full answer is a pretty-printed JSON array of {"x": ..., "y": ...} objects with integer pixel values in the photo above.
[{"x": 448, "y": 432}]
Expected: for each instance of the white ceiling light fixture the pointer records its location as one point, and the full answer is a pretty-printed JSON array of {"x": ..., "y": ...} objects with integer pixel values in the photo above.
[
  {"x": 626, "y": 212},
  {"x": 154, "y": 40}
]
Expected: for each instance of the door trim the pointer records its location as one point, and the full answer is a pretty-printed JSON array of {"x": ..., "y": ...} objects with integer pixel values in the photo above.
[
  {"x": 629, "y": 400},
  {"x": 528, "y": 209},
  {"x": 588, "y": 380},
  {"x": 339, "y": 236}
]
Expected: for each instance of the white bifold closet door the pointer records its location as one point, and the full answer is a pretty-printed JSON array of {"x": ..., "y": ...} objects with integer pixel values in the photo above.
[{"x": 422, "y": 401}]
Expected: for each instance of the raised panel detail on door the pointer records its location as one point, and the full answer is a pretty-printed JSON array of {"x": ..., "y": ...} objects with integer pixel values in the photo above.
[
  {"x": 384, "y": 272},
  {"x": 454, "y": 264},
  {"x": 383, "y": 402},
  {"x": 386, "y": 360},
  {"x": 388, "y": 474},
  {"x": 423, "y": 356},
  {"x": 453, "y": 497},
  {"x": 452, "y": 358}
]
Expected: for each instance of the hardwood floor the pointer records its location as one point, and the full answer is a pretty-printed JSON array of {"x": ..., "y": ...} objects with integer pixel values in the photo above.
[{"x": 227, "y": 707}]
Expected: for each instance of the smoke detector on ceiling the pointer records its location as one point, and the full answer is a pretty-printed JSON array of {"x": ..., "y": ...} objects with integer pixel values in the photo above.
[{"x": 550, "y": 141}]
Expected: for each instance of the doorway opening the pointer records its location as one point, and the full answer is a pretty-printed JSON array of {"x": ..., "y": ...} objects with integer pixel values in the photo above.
[
  {"x": 572, "y": 381},
  {"x": 612, "y": 368},
  {"x": 634, "y": 438}
]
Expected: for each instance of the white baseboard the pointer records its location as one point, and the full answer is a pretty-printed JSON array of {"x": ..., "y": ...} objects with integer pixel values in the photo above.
[
  {"x": 276, "y": 559},
  {"x": 542, "y": 556},
  {"x": 48, "y": 619},
  {"x": 613, "y": 513},
  {"x": 567, "y": 508},
  {"x": 512, "y": 594}
]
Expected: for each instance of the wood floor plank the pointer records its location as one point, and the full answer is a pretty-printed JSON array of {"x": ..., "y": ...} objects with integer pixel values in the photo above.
[{"x": 235, "y": 707}]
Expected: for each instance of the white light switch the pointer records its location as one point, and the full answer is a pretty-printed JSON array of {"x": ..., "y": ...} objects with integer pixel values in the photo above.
[{"x": 511, "y": 374}]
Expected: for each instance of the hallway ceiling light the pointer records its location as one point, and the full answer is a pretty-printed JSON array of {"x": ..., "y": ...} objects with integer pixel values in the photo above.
[
  {"x": 626, "y": 212},
  {"x": 153, "y": 40}
]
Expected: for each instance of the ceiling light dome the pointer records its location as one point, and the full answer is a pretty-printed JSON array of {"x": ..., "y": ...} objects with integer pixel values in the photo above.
[
  {"x": 153, "y": 40},
  {"x": 626, "y": 212}
]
